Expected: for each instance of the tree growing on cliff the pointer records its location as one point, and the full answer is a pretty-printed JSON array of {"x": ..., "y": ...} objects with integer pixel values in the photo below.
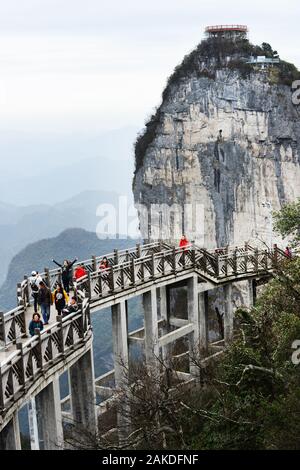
[{"x": 287, "y": 221}]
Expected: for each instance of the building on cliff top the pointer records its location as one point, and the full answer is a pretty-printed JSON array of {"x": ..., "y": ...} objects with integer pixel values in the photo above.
[{"x": 233, "y": 31}]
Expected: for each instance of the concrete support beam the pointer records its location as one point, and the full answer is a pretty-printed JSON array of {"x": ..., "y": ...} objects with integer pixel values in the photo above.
[
  {"x": 83, "y": 394},
  {"x": 120, "y": 343},
  {"x": 203, "y": 323},
  {"x": 10, "y": 435},
  {"x": 50, "y": 417},
  {"x": 251, "y": 293},
  {"x": 176, "y": 334},
  {"x": 33, "y": 425},
  {"x": 121, "y": 363},
  {"x": 166, "y": 350},
  {"x": 151, "y": 327},
  {"x": 228, "y": 314},
  {"x": 193, "y": 316},
  {"x": 178, "y": 322}
]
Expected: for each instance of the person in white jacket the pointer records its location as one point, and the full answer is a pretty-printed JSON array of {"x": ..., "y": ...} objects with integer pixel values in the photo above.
[{"x": 34, "y": 282}]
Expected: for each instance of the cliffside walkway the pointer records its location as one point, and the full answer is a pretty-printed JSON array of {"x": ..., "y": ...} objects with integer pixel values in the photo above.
[{"x": 31, "y": 367}]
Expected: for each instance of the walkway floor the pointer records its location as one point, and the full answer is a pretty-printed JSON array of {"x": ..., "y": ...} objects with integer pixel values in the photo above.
[{"x": 5, "y": 353}]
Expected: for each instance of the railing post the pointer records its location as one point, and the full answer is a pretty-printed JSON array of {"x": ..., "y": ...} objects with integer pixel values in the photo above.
[
  {"x": 174, "y": 260},
  {"x": 112, "y": 279},
  {"x": 27, "y": 291},
  {"x": 19, "y": 293},
  {"x": 116, "y": 256},
  {"x": 193, "y": 254},
  {"x": 89, "y": 285},
  {"x": 23, "y": 322},
  {"x": 256, "y": 265},
  {"x": 246, "y": 260},
  {"x": 47, "y": 277},
  {"x": 94, "y": 263},
  {"x": 132, "y": 271},
  {"x": 217, "y": 265},
  {"x": 37, "y": 332},
  {"x": 59, "y": 320},
  {"x": 19, "y": 346},
  {"x": 152, "y": 266},
  {"x": 235, "y": 265},
  {"x": 138, "y": 250},
  {"x": 2, "y": 328},
  {"x": 99, "y": 277},
  {"x": 2, "y": 392}
]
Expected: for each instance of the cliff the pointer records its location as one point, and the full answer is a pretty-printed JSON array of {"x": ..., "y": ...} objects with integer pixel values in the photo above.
[{"x": 226, "y": 137}]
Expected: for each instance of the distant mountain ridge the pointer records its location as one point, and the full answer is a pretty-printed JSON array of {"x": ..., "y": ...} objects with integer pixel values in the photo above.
[
  {"x": 70, "y": 244},
  {"x": 20, "y": 226}
]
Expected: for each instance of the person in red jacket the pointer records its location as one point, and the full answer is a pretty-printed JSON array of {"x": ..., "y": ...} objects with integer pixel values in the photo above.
[
  {"x": 80, "y": 272},
  {"x": 183, "y": 242}
]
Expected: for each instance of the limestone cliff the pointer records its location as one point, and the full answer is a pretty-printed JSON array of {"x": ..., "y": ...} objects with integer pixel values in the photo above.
[{"x": 227, "y": 135}]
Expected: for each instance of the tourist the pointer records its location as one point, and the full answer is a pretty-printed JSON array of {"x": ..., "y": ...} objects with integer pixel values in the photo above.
[
  {"x": 66, "y": 269},
  {"x": 60, "y": 298},
  {"x": 288, "y": 252},
  {"x": 45, "y": 301},
  {"x": 34, "y": 281},
  {"x": 104, "y": 268},
  {"x": 104, "y": 264},
  {"x": 183, "y": 242},
  {"x": 80, "y": 272},
  {"x": 71, "y": 308},
  {"x": 35, "y": 324}
]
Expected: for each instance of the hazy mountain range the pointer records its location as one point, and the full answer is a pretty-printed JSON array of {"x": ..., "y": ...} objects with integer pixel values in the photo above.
[
  {"x": 46, "y": 169},
  {"x": 70, "y": 244},
  {"x": 20, "y": 226}
]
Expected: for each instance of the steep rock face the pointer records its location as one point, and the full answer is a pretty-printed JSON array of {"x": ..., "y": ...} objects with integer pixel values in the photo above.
[{"x": 228, "y": 143}]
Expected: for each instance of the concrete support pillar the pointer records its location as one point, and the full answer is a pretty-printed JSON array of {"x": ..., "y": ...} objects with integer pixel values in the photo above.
[
  {"x": 121, "y": 364},
  {"x": 49, "y": 417},
  {"x": 193, "y": 317},
  {"x": 10, "y": 436},
  {"x": 251, "y": 293},
  {"x": 203, "y": 323},
  {"x": 228, "y": 314},
  {"x": 151, "y": 328},
  {"x": 33, "y": 425},
  {"x": 83, "y": 394},
  {"x": 120, "y": 342},
  {"x": 164, "y": 315}
]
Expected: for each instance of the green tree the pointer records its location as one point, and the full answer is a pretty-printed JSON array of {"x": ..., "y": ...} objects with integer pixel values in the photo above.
[{"x": 287, "y": 221}]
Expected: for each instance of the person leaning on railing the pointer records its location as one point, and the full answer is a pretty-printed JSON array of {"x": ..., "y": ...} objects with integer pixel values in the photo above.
[
  {"x": 79, "y": 272},
  {"x": 104, "y": 267},
  {"x": 35, "y": 324},
  {"x": 183, "y": 242}
]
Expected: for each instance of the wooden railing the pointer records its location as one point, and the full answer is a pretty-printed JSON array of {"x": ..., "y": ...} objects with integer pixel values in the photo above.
[
  {"x": 142, "y": 264},
  {"x": 12, "y": 325},
  {"x": 128, "y": 268},
  {"x": 32, "y": 359}
]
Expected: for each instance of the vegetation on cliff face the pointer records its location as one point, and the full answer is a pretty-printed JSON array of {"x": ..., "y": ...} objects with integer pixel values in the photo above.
[{"x": 209, "y": 56}]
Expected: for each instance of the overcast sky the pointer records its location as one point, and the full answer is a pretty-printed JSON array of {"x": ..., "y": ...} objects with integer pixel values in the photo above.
[{"x": 92, "y": 65}]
